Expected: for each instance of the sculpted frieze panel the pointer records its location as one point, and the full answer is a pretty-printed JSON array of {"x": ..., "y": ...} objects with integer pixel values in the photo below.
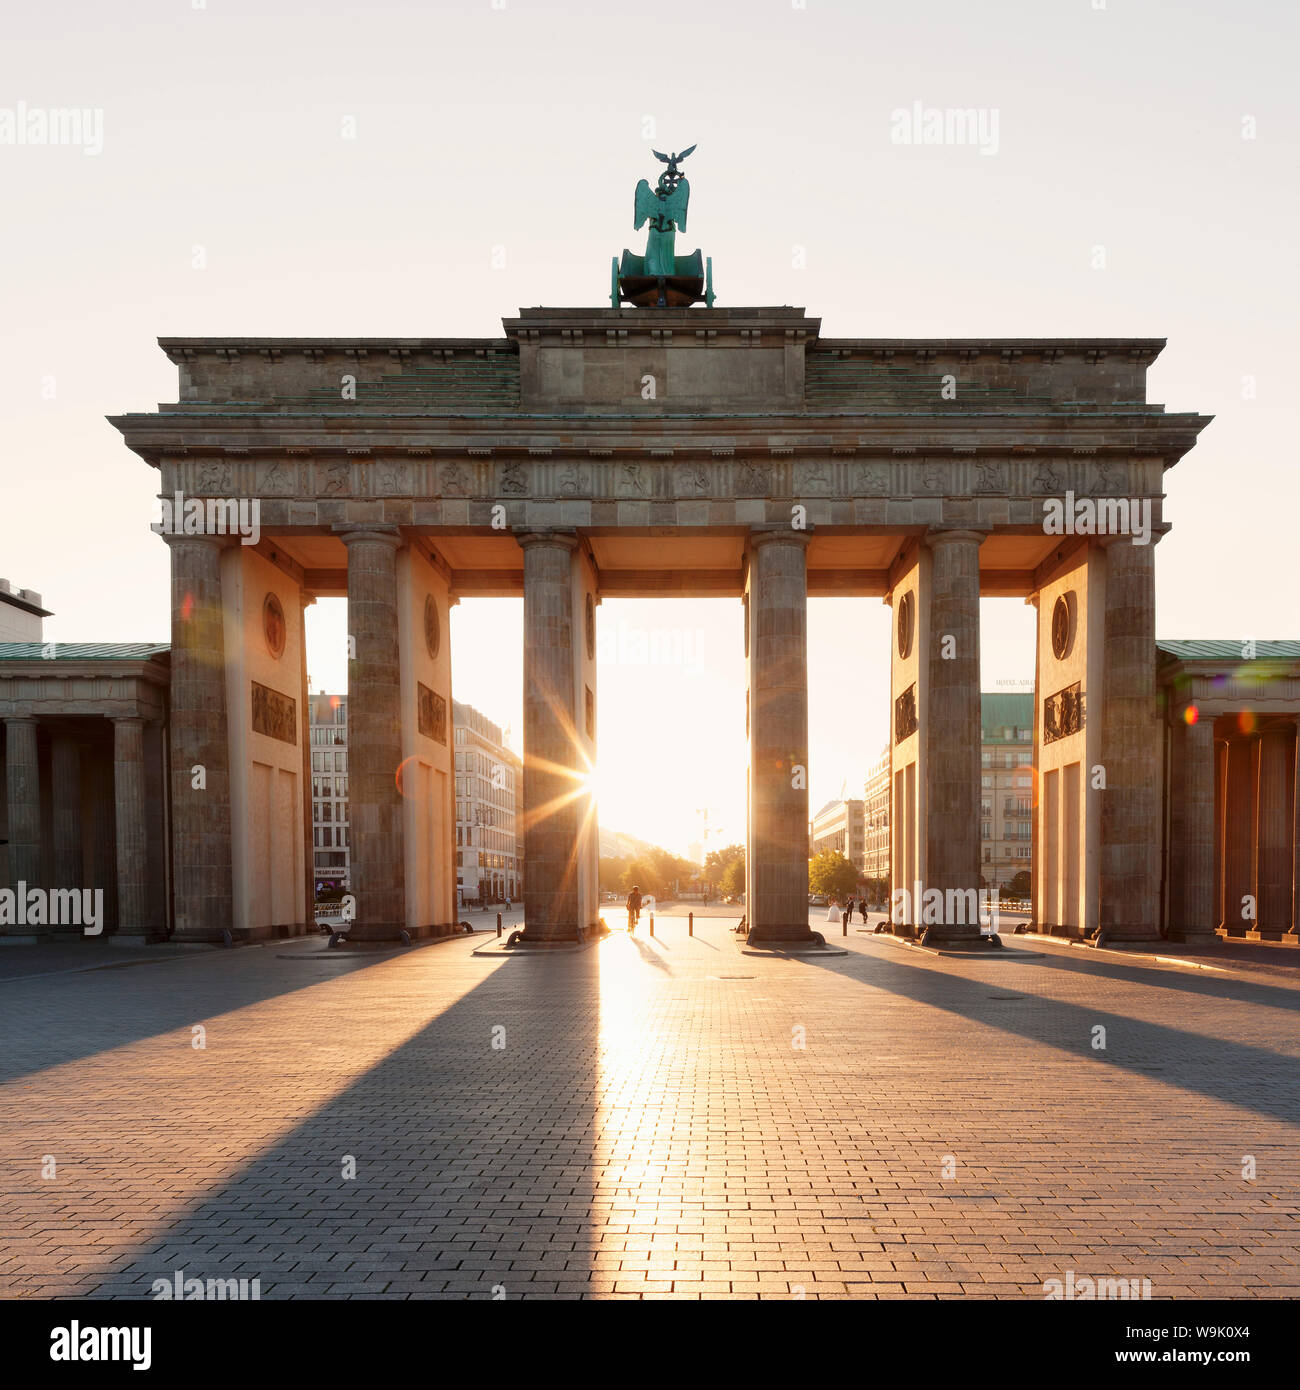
[
  {"x": 391, "y": 478},
  {"x": 274, "y": 715},
  {"x": 872, "y": 479},
  {"x": 513, "y": 480},
  {"x": 455, "y": 480},
  {"x": 573, "y": 481},
  {"x": 632, "y": 480},
  {"x": 333, "y": 480},
  {"x": 752, "y": 480},
  {"x": 275, "y": 479},
  {"x": 691, "y": 480},
  {"x": 216, "y": 479}
]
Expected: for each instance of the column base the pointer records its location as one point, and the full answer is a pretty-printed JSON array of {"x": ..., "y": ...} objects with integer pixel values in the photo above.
[
  {"x": 539, "y": 938},
  {"x": 799, "y": 934},
  {"x": 1125, "y": 936},
  {"x": 952, "y": 938},
  {"x": 1202, "y": 935}
]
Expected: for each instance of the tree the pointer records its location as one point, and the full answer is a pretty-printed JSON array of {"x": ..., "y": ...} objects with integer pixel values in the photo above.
[
  {"x": 830, "y": 873},
  {"x": 611, "y": 874},
  {"x": 641, "y": 873},
  {"x": 716, "y": 863},
  {"x": 732, "y": 883},
  {"x": 1020, "y": 884}
]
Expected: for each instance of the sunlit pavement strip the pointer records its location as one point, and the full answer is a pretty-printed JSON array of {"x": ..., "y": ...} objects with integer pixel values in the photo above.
[{"x": 649, "y": 1124}]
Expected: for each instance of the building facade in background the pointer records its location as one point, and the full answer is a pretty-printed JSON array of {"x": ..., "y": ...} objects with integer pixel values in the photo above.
[
  {"x": 331, "y": 855},
  {"x": 1006, "y": 793},
  {"x": 875, "y": 827},
  {"x": 838, "y": 826},
  {"x": 1006, "y": 785},
  {"x": 489, "y": 861},
  {"x": 22, "y": 618}
]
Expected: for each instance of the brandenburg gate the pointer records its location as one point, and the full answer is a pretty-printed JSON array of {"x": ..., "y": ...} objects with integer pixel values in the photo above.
[{"x": 660, "y": 446}]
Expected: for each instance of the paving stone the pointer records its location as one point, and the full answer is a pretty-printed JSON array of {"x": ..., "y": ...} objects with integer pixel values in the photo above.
[{"x": 648, "y": 1130}]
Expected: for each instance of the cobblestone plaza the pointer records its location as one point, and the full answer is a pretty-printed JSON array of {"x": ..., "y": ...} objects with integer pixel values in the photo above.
[{"x": 649, "y": 1118}]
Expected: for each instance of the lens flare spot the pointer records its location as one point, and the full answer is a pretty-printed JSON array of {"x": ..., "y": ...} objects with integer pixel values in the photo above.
[
  {"x": 1191, "y": 714},
  {"x": 1246, "y": 722},
  {"x": 406, "y": 777},
  {"x": 187, "y": 608}
]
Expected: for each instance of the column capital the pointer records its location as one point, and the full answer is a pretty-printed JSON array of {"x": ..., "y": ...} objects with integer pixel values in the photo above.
[
  {"x": 1202, "y": 729},
  {"x": 1107, "y": 539},
  {"x": 216, "y": 542},
  {"x": 359, "y": 533},
  {"x": 20, "y": 720},
  {"x": 540, "y": 536},
  {"x": 764, "y": 532},
  {"x": 128, "y": 719},
  {"x": 937, "y": 535}
]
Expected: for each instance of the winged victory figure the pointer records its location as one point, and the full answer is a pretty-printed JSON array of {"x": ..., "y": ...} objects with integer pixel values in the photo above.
[{"x": 660, "y": 278}]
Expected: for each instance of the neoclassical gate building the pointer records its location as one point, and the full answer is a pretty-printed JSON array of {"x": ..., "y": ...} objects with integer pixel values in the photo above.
[{"x": 656, "y": 451}]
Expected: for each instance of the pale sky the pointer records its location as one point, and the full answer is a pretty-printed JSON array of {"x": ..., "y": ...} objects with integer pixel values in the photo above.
[{"x": 225, "y": 200}]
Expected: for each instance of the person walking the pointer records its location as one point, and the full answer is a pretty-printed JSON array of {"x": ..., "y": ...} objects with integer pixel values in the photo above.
[
  {"x": 633, "y": 908},
  {"x": 848, "y": 910}
]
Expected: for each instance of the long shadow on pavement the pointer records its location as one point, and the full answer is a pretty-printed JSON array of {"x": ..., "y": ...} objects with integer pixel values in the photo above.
[{"x": 1236, "y": 1073}]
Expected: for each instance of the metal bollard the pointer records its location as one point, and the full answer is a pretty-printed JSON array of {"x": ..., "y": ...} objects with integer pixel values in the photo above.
[
  {"x": 845, "y": 920},
  {"x": 652, "y": 924},
  {"x": 690, "y": 924},
  {"x": 498, "y": 924}
]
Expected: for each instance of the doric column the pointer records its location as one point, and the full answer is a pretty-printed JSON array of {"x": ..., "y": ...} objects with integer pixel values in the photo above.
[
  {"x": 103, "y": 840},
  {"x": 23, "y": 790},
  {"x": 375, "y": 735},
  {"x": 1130, "y": 801},
  {"x": 65, "y": 789},
  {"x": 952, "y": 858},
  {"x": 1220, "y": 831},
  {"x": 1198, "y": 914},
  {"x": 1239, "y": 832},
  {"x": 1273, "y": 833},
  {"x": 553, "y": 782},
  {"x": 777, "y": 869},
  {"x": 132, "y": 836},
  {"x": 1295, "y": 833},
  {"x": 201, "y": 849},
  {"x": 309, "y": 839}
]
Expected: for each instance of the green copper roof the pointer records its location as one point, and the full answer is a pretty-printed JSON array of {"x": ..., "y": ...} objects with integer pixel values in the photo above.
[
  {"x": 82, "y": 651},
  {"x": 1230, "y": 650},
  {"x": 1005, "y": 710}
]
